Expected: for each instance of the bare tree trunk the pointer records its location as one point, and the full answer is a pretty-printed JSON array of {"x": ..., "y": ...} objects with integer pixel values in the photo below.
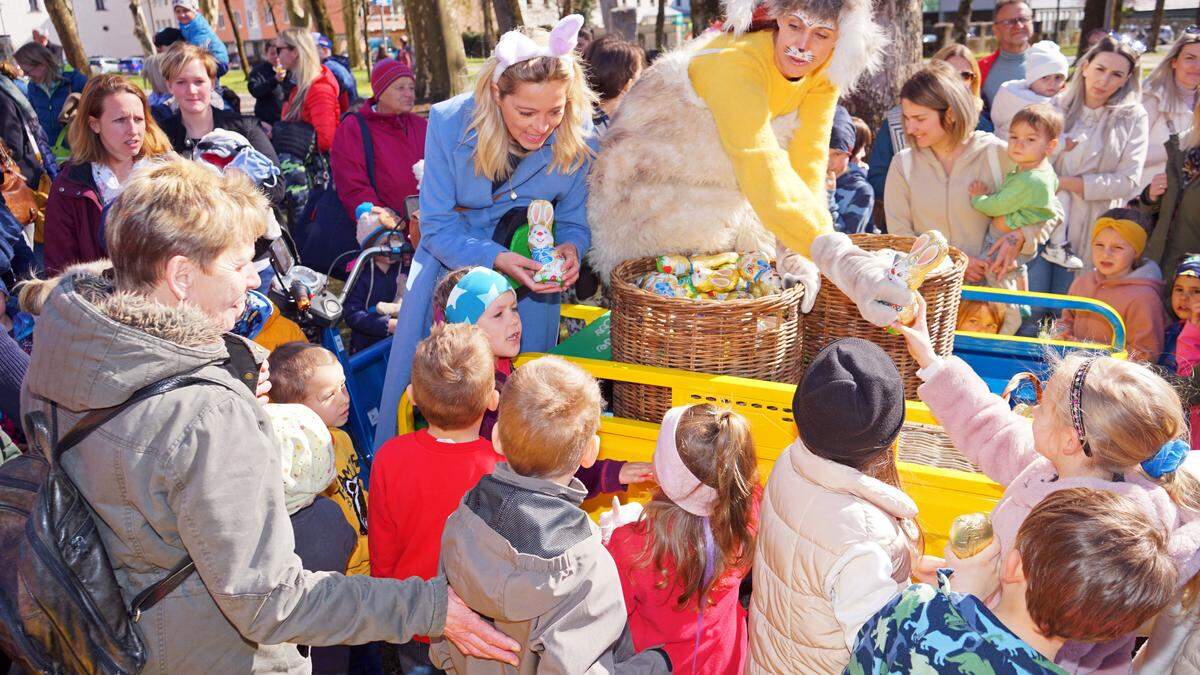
[
  {"x": 237, "y": 38},
  {"x": 875, "y": 94},
  {"x": 141, "y": 31},
  {"x": 1155, "y": 25},
  {"x": 320, "y": 17},
  {"x": 660, "y": 21},
  {"x": 298, "y": 15},
  {"x": 704, "y": 12},
  {"x": 1118, "y": 6},
  {"x": 1093, "y": 18},
  {"x": 441, "y": 70},
  {"x": 63, "y": 18},
  {"x": 508, "y": 15},
  {"x": 489, "y": 28},
  {"x": 354, "y": 46},
  {"x": 962, "y": 21},
  {"x": 566, "y": 7},
  {"x": 209, "y": 9}
]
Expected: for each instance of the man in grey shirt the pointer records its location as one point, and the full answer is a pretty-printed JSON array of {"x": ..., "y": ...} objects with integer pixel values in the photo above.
[{"x": 1013, "y": 25}]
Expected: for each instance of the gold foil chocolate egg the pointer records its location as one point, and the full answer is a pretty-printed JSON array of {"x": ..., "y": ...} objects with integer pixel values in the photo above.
[{"x": 970, "y": 533}]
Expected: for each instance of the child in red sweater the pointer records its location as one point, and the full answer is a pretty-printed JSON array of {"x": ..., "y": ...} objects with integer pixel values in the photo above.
[
  {"x": 418, "y": 479},
  {"x": 681, "y": 565},
  {"x": 484, "y": 298}
]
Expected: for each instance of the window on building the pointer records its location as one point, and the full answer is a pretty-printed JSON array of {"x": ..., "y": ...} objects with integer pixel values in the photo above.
[
  {"x": 220, "y": 21},
  {"x": 33, "y": 6},
  {"x": 237, "y": 19},
  {"x": 252, "y": 14},
  {"x": 100, "y": 6}
]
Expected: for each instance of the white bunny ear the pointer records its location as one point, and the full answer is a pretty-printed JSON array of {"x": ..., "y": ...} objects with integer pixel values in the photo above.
[
  {"x": 565, "y": 35},
  {"x": 738, "y": 14}
]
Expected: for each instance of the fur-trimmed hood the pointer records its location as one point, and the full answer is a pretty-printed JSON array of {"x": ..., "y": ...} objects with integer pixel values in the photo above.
[
  {"x": 860, "y": 41},
  {"x": 94, "y": 345}
]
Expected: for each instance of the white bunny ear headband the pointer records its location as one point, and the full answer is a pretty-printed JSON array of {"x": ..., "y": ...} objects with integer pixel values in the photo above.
[{"x": 515, "y": 47}]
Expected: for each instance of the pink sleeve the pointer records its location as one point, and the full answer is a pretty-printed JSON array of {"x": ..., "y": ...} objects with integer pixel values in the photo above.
[
  {"x": 1145, "y": 322},
  {"x": 621, "y": 548},
  {"x": 979, "y": 423},
  {"x": 1187, "y": 349}
]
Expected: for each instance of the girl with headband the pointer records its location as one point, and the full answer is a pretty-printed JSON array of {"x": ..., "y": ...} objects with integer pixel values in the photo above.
[
  {"x": 723, "y": 145},
  {"x": 1099, "y": 422},
  {"x": 682, "y": 564},
  {"x": 524, "y": 133}
]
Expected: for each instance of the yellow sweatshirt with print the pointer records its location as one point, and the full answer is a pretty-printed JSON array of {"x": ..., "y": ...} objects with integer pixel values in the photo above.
[
  {"x": 738, "y": 80},
  {"x": 348, "y": 491}
]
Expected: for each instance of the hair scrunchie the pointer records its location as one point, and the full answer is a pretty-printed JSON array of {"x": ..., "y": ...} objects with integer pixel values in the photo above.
[{"x": 1168, "y": 459}]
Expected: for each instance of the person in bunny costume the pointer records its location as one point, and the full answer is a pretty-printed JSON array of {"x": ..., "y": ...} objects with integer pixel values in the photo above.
[
  {"x": 524, "y": 134},
  {"x": 723, "y": 145}
]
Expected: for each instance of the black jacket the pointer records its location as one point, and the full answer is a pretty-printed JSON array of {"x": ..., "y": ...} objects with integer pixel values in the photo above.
[
  {"x": 268, "y": 92},
  {"x": 17, "y": 134}
]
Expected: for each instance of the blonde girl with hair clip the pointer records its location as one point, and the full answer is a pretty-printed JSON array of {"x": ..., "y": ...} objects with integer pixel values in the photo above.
[
  {"x": 317, "y": 99},
  {"x": 1098, "y": 422},
  {"x": 682, "y": 563},
  {"x": 523, "y": 134}
]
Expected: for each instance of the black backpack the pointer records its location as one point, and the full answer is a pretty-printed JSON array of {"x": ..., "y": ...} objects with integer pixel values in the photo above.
[
  {"x": 61, "y": 610},
  {"x": 304, "y": 171}
]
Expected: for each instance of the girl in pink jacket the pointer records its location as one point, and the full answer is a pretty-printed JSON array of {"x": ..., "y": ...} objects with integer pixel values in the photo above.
[{"x": 1101, "y": 423}]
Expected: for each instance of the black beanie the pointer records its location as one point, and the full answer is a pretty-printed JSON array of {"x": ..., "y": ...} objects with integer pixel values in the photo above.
[{"x": 850, "y": 402}]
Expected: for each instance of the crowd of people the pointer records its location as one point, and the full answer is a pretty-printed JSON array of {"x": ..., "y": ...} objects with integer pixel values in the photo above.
[{"x": 462, "y": 546}]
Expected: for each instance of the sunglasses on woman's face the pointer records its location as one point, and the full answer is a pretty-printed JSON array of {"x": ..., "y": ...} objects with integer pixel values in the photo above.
[
  {"x": 967, "y": 76},
  {"x": 285, "y": 46}
]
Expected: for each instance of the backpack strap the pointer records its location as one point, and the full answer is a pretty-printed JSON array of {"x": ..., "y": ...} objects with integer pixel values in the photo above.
[
  {"x": 368, "y": 150},
  {"x": 161, "y": 588}
]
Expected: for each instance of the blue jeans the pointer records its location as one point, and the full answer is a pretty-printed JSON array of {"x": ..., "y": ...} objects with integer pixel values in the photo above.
[{"x": 1045, "y": 277}]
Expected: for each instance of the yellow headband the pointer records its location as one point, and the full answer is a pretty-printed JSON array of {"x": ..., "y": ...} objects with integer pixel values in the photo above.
[{"x": 1129, "y": 231}]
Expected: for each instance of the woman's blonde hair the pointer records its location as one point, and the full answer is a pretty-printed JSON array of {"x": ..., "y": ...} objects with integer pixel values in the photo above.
[
  {"x": 86, "y": 145},
  {"x": 1129, "y": 413},
  {"x": 178, "y": 207},
  {"x": 1161, "y": 81},
  {"x": 32, "y": 53},
  {"x": 1130, "y": 94},
  {"x": 181, "y": 54},
  {"x": 493, "y": 143},
  {"x": 961, "y": 51},
  {"x": 715, "y": 445},
  {"x": 307, "y": 69},
  {"x": 937, "y": 86},
  {"x": 153, "y": 75}
]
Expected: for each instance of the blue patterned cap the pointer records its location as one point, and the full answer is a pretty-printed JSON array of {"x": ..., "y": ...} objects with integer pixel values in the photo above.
[
  {"x": 473, "y": 294},
  {"x": 1189, "y": 267}
]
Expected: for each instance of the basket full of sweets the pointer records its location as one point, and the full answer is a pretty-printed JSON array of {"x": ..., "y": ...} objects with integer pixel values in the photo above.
[
  {"x": 930, "y": 266},
  {"x": 724, "y": 313}
]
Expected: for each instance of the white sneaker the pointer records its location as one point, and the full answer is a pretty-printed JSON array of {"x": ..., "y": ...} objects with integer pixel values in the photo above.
[{"x": 1060, "y": 254}]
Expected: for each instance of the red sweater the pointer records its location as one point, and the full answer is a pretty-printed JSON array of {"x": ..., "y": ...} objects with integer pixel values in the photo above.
[
  {"x": 322, "y": 108},
  {"x": 655, "y": 619},
  {"x": 416, "y": 483}
]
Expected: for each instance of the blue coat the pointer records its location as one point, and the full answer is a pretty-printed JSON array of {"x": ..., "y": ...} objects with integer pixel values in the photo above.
[
  {"x": 451, "y": 238},
  {"x": 200, "y": 33},
  {"x": 48, "y": 104}
]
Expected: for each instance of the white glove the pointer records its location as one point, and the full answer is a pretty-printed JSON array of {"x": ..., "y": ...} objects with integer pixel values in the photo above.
[
  {"x": 621, "y": 514},
  {"x": 863, "y": 277},
  {"x": 795, "y": 269}
]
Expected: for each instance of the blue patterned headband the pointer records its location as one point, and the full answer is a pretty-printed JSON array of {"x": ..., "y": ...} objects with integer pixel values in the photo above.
[{"x": 472, "y": 295}]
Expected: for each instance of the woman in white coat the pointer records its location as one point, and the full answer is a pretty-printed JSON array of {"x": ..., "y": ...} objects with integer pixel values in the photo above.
[{"x": 1170, "y": 95}]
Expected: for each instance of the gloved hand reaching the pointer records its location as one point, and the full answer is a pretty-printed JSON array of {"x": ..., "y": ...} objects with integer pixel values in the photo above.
[
  {"x": 795, "y": 269},
  {"x": 862, "y": 276}
]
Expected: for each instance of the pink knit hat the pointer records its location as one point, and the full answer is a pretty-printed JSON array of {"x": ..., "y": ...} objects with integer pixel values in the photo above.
[{"x": 386, "y": 72}]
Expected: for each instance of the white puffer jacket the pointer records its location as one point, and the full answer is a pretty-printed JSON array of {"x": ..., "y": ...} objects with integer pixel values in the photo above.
[{"x": 814, "y": 511}]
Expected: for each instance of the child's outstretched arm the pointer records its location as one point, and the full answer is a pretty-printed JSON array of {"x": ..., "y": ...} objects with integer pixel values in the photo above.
[
  {"x": 1011, "y": 197},
  {"x": 979, "y": 423}
]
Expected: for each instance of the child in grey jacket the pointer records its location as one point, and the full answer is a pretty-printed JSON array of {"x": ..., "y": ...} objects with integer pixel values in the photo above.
[{"x": 520, "y": 550}]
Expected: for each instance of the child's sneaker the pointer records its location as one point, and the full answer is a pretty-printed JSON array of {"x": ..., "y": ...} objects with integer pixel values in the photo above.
[{"x": 1061, "y": 255}]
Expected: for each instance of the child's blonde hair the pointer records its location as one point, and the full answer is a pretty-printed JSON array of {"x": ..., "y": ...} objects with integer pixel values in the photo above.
[
  {"x": 1042, "y": 118},
  {"x": 1083, "y": 547},
  {"x": 549, "y": 412},
  {"x": 494, "y": 145},
  {"x": 715, "y": 445},
  {"x": 970, "y": 308},
  {"x": 453, "y": 376}
]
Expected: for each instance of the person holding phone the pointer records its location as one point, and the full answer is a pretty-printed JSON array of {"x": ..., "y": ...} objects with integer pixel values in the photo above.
[{"x": 525, "y": 133}]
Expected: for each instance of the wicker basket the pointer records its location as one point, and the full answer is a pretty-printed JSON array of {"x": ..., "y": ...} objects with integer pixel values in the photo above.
[
  {"x": 929, "y": 445},
  {"x": 835, "y": 316},
  {"x": 758, "y": 338}
]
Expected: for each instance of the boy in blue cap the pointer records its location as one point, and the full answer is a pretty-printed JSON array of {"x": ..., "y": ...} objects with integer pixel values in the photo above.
[{"x": 851, "y": 197}]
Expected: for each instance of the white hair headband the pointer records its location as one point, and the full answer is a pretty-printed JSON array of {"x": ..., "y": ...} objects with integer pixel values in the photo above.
[{"x": 515, "y": 47}]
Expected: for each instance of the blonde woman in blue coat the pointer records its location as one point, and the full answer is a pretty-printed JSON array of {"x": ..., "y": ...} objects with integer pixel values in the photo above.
[{"x": 524, "y": 133}]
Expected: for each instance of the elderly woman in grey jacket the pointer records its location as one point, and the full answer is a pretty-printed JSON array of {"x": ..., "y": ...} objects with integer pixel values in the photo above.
[
  {"x": 194, "y": 472},
  {"x": 1099, "y": 163}
]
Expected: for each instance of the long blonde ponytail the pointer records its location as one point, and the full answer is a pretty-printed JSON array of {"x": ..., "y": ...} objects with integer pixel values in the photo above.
[{"x": 308, "y": 67}]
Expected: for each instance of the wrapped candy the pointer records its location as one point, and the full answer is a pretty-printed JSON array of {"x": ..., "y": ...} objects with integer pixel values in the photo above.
[
  {"x": 714, "y": 261},
  {"x": 753, "y": 266},
  {"x": 970, "y": 533},
  {"x": 722, "y": 280},
  {"x": 678, "y": 265},
  {"x": 541, "y": 243},
  {"x": 661, "y": 283},
  {"x": 769, "y": 283},
  {"x": 928, "y": 251}
]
